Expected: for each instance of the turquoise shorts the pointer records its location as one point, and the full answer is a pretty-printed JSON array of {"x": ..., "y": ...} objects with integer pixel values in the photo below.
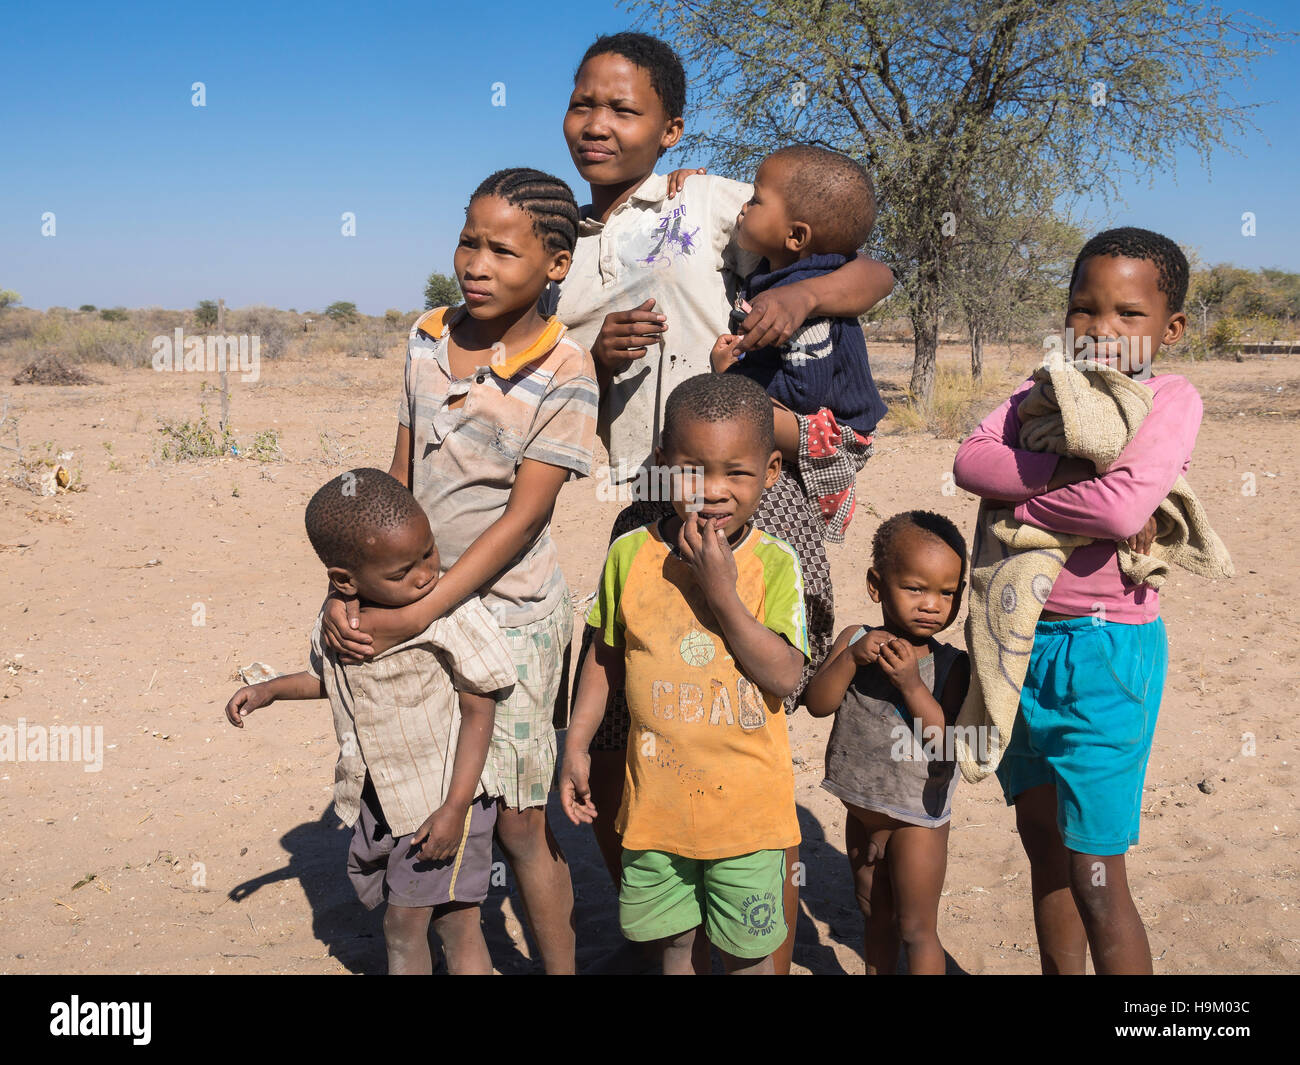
[
  {"x": 737, "y": 900},
  {"x": 1087, "y": 714}
]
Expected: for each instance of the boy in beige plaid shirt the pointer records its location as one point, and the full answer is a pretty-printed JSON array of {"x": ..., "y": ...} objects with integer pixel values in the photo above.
[{"x": 413, "y": 724}]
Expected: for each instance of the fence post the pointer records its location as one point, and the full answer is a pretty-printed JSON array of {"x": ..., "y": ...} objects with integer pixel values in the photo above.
[{"x": 225, "y": 381}]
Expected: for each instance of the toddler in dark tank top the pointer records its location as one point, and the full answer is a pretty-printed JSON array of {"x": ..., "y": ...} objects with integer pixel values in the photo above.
[{"x": 895, "y": 692}]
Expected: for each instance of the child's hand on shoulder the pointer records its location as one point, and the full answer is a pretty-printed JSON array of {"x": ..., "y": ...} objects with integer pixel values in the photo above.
[
  {"x": 575, "y": 788},
  {"x": 339, "y": 631},
  {"x": 899, "y": 661},
  {"x": 724, "y": 354},
  {"x": 703, "y": 546},
  {"x": 245, "y": 701},
  {"x": 678, "y": 178},
  {"x": 440, "y": 834}
]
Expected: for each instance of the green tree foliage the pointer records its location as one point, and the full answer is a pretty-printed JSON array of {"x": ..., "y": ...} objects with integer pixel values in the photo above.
[
  {"x": 87, "y": 307},
  {"x": 1010, "y": 262},
  {"x": 8, "y": 298},
  {"x": 1226, "y": 302},
  {"x": 1055, "y": 98},
  {"x": 441, "y": 291},
  {"x": 205, "y": 314},
  {"x": 342, "y": 311}
]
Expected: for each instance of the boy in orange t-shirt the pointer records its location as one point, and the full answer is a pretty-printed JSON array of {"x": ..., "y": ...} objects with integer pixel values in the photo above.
[{"x": 700, "y": 617}]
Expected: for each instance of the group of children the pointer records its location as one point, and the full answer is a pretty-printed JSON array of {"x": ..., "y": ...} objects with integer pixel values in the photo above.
[{"x": 706, "y": 327}]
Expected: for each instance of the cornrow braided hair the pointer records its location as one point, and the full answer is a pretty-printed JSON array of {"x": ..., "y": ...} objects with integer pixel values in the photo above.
[
  {"x": 1129, "y": 242},
  {"x": 884, "y": 545},
  {"x": 547, "y": 200}
]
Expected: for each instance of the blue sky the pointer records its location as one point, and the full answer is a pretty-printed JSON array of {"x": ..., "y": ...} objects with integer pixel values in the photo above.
[{"x": 385, "y": 111}]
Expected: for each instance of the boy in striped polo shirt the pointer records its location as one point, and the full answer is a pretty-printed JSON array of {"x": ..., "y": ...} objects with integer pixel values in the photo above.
[{"x": 413, "y": 725}]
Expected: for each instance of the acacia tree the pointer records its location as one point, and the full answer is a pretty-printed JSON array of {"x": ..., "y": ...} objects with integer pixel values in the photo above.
[
  {"x": 929, "y": 95},
  {"x": 1009, "y": 265},
  {"x": 1206, "y": 289},
  {"x": 342, "y": 311},
  {"x": 441, "y": 291}
]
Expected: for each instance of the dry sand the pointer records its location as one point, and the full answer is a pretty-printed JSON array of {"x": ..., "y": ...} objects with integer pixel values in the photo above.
[{"x": 103, "y": 588}]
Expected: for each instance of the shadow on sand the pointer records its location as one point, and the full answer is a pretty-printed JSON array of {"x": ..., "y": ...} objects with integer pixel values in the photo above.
[{"x": 318, "y": 857}]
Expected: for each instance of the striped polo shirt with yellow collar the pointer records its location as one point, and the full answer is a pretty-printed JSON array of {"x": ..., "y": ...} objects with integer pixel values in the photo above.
[{"x": 538, "y": 404}]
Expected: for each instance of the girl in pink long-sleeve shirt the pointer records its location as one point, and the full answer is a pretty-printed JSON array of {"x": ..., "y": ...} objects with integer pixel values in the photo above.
[{"x": 1077, "y": 758}]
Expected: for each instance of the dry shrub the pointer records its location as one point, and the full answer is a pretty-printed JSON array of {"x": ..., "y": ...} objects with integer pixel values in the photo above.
[
  {"x": 18, "y": 323},
  {"x": 75, "y": 338},
  {"x": 272, "y": 327},
  {"x": 957, "y": 404},
  {"x": 49, "y": 370}
]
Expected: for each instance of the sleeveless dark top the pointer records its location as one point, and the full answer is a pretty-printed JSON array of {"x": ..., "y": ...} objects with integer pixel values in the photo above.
[{"x": 876, "y": 754}]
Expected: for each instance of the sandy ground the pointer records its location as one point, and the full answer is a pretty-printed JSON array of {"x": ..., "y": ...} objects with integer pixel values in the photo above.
[{"x": 213, "y": 850}]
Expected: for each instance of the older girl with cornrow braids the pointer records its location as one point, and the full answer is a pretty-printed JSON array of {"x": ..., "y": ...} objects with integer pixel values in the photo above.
[{"x": 498, "y": 410}]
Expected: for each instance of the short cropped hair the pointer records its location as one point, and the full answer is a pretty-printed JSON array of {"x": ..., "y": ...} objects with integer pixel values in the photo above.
[
  {"x": 547, "y": 200},
  {"x": 667, "y": 76},
  {"x": 1129, "y": 242},
  {"x": 833, "y": 194},
  {"x": 354, "y": 506},
  {"x": 720, "y": 397},
  {"x": 884, "y": 546}
]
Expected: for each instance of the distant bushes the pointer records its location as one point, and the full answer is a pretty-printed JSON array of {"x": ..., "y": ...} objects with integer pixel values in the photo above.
[
  {"x": 273, "y": 327},
  {"x": 119, "y": 337}
]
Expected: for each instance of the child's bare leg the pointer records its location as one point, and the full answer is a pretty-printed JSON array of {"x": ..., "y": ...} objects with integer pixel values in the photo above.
[
  {"x": 917, "y": 861},
  {"x": 1062, "y": 940},
  {"x": 406, "y": 936},
  {"x": 702, "y": 956},
  {"x": 544, "y": 885},
  {"x": 1116, "y": 934},
  {"x": 790, "y": 905},
  {"x": 676, "y": 952},
  {"x": 461, "y": 932},
  {"x": 606, "y": 783},
  {"x": 873, "y": 889},
  {"x": 735, "y": 966}
]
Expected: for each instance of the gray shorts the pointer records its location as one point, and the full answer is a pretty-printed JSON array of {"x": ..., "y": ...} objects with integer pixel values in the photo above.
[{"x": 384, "y": 869}]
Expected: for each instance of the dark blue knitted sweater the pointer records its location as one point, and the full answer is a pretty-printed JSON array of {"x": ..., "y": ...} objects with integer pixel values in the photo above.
[{"x": 824, "y": 364}]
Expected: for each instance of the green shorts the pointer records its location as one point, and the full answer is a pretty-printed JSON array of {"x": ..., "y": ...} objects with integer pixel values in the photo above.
[{"x": 737, "y": 900}]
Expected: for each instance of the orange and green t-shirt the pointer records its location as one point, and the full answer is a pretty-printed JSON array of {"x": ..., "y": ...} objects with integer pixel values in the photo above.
[{"x": 708, "y": 756}]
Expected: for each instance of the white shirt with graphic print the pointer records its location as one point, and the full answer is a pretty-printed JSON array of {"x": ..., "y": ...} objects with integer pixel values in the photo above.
[{"x": 682, "y": 254}]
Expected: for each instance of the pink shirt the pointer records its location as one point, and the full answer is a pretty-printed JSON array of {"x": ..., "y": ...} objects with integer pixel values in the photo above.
[{"x": 1111, "y": 507}]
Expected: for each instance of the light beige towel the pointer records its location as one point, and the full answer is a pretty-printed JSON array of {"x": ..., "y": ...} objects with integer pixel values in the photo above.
[{"x": 1092, "y": 413}]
